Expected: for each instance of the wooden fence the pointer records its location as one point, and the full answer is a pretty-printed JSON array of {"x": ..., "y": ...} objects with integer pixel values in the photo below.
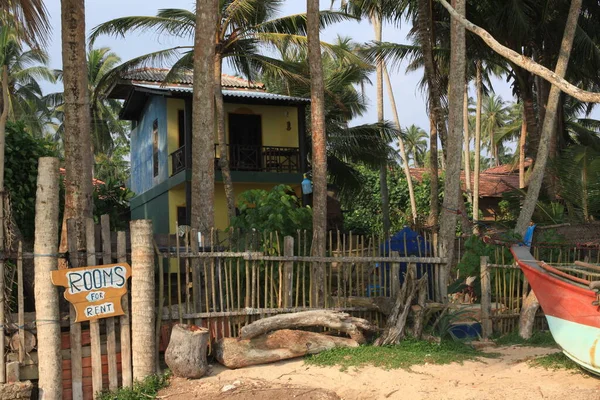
[{"x": 229, "y": 280}]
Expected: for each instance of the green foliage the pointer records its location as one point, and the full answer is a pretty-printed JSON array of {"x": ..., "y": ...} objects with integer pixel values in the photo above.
[
  {"x": 20, "y": 173},
  {"x": 404, "y": 355},
  {"x": 147, "y": 389},
  {"x": 475, "y": 248},
  {"x": 447, "y": 321},
  {"x": 539, "y": 339},
  {"x": 555, "y": 361},
  {"x": 277, "y": 210},
  {"x": 363, "y": 213},
  {"x": 112, "y": 198}
]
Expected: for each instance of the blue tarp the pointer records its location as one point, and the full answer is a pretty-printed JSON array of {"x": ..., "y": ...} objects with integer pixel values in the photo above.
[{"x": 407, "y": 243}]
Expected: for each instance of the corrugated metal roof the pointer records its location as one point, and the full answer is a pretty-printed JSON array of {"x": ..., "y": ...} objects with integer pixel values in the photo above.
[
  {"x": 186, "y": 78},
  {"x": 251, "y": 94}
]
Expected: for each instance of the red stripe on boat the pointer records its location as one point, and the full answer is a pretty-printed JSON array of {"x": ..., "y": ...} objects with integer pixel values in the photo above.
[{"x": 562, "y": 299}]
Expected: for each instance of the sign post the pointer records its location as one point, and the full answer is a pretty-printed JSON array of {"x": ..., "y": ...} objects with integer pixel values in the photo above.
[{"x": 95, "y": 292}]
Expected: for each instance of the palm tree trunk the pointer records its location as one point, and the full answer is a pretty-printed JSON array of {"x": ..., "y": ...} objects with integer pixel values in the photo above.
[
  {"x": 77, "y": 138},
  {"x": 522, "y": 141},
  {"x": 584, "y": 190},
  {"x": 537, "y": 176},
  {"x": 467, "y": 155},
  {"x": 319, "y": 150},
  {"x": 426, "y": 39},
  {"x": 223, "y": 156},
  {"x": 3, "y": 119},
  {"x": 203, "y": 120},
  {"x": 477, "y": 166},
  {"x": 411, "y": 191},
  {"x": 494, "y": 148},
  {"x": 452, "y": 191},
  {"x": 46, "y": 294},
  {"x": 383, "y": 185},
  {"x": 524, "y": 62}
]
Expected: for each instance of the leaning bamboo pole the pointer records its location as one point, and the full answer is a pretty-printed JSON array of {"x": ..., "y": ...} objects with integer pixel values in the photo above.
[{"x": 46, "y": 296}]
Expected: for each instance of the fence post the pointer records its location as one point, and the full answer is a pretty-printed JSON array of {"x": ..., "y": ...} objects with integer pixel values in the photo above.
[
  {"x": 95, "y": 341},
  {"x": 486, "y": 299},
  {"x": 288, "y": 271},
  {"x": 46, "y": 294},
  {"x": 142, "y": 299},
  {"x": 395, "y": 275}
]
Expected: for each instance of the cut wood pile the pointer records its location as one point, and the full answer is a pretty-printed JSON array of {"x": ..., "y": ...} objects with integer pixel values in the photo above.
[{"x": 276, "y": 338}]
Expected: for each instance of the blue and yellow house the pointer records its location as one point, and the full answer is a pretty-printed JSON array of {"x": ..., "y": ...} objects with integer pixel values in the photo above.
[{"x": 265, "y": 140}]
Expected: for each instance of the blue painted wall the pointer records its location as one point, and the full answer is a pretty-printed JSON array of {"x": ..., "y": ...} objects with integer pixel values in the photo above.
[
  {"x": 156, "y": 209},
  {"x": 142, "y": 172}
]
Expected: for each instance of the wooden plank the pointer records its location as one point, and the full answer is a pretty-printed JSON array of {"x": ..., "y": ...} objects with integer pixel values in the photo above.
[
  {"x": 111, "y": 334},
  {"x": 21, "y": 304},
  {"x": 288, "y": 267},
  {"x": 486, "y": 299},
  {"x": 75, "y": 330},
  {"x": 95, "y": 341},
  {"x": 126, "y": 367}
]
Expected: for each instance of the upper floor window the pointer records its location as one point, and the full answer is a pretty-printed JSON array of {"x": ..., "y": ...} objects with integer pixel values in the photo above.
[{"x": 155, "y": 147}]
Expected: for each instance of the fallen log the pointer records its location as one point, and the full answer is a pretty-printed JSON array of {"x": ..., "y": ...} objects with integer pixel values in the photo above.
[
  {"x": 279, "y": 345},
  {"x": 335, "y": 320},
  {"x": 186, "y": 353},
  {"x": 382, "y": 304}
]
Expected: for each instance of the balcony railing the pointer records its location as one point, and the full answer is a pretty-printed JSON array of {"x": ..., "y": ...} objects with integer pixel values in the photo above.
[
  {"x": 249, "y": 158},
  {"x": 178, "y": 162}
]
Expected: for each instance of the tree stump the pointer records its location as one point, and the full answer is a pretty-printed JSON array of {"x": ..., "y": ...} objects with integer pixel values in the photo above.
[
  {"x": 186, "y": 353},
  {"x": 279, "y": 345},
  {"x": 527, "y": 317}
]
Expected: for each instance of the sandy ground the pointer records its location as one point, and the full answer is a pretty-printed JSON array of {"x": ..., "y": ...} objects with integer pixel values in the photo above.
[{"x": 506, "y": 377}]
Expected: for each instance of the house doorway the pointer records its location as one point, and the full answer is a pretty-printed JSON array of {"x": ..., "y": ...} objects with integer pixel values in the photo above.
[{"x": 245, "y": 141}]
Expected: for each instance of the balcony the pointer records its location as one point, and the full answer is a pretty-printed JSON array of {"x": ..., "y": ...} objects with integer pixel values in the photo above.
[{"x": 248, "y": 158}]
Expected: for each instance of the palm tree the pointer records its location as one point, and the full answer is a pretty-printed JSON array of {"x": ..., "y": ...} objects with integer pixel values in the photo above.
[
  {"x": 30, "y": 17},
  {"x": 494, "y": 118},
  {"x": 243, "y": 28},
  {"x": 416, "y": 144},
  {"x": 105, "y": 125},
  {"x": 347, "y": 146}
]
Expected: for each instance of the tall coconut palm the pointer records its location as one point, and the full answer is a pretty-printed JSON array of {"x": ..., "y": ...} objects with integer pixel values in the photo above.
[
  {"x": 319, "y": 149},
  {"x": 494, "y": 119},
  {"x": 105, "y": 125},
  {"x": 244, "y": 28},
  {"x": 77, "y": 143},
  {"x": 416, "y": 144}
]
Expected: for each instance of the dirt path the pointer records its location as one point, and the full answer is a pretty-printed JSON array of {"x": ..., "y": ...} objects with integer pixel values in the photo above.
[{"x": 506, "y": 377}]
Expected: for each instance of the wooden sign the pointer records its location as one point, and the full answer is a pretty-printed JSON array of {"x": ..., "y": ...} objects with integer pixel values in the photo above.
[{"x": 95, "y": 292}]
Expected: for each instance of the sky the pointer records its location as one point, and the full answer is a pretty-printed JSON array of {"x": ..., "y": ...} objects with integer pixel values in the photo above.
[{"x": 409, "y": 98}]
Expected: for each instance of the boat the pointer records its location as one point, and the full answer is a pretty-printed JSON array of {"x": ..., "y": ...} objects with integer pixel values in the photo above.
[{"x": 571, "y": 306}]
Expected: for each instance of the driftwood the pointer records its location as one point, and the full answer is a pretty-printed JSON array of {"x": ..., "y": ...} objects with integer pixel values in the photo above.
[
  {"x": 527, "y": 317},
  {"x": 279, "y": 345},
  {"x": 382, "y": 304},
  {"x": 396, "y": 328},
  {"x": 335, "y": 320},
  {"x": 186, "y": 353}
]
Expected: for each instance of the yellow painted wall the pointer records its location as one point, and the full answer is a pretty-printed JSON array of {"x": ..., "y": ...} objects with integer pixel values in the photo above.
[
  {"x": 274, "y": 123},
  {"x": 176, "y": 199},
  {"x": 173, "y": 107}
]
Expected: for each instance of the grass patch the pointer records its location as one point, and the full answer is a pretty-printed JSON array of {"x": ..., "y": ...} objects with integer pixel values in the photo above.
[
  {"x": 555, "y": 361},
  {"x": 403, "y": 355},
  {"x": 147, "y": 389},
  {"x": 539, "y": 339}
]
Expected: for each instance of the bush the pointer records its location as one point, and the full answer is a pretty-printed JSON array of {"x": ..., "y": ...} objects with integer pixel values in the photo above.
[{"x": 277, "y": 210}]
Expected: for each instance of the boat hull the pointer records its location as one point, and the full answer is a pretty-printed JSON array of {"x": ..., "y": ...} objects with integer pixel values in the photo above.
[{"x": 573, "y": 321}]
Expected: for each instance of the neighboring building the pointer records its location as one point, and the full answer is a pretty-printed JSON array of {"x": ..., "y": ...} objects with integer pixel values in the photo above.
[
  {"x": 493, "y": 183},
  {"x": 265, "y": 140}
]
